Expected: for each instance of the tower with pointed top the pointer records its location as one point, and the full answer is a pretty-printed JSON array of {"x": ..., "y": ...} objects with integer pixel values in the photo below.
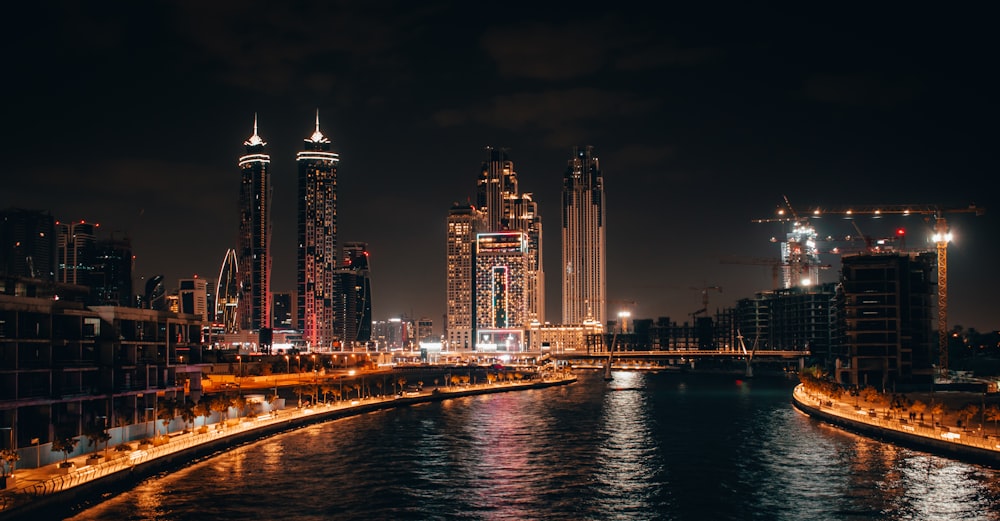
[
  {"x": 583, "y": 252},
  {"x": 317, "y": 239},
  {"x": 253, "y": 251}
]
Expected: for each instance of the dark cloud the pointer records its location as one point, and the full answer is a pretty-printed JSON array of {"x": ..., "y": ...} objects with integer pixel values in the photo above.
[{"x": 860, "y": 90}]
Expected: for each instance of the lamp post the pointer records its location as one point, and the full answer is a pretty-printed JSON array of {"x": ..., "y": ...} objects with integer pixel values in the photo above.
[
  {"x": 239, "y": 374},
  {"x": 148, "y": 409},
  {"x": 288, "y": 365}
]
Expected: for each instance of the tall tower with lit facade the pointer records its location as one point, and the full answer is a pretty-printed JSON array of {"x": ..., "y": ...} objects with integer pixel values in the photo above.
[
  {"x": 254, "y": 248},
  {"x": 506, "y": 209},
  {"x": 502, "y": 259},
  {"x": 464, "y": 222},
  {"x": 354, "y": 296},
  {"x": 584, "y": 271},
  {"x": 317, "y": 239}
]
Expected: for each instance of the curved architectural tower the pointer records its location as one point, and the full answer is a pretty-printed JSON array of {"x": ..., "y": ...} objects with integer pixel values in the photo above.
[
  {"x": 227, "y": 293},
  {"x": 584, "y": 278},
  {"x": 254, "y": 247},
  {"x": 317, "y": 239}
]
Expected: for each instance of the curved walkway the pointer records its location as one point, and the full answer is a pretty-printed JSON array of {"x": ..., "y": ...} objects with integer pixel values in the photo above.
[
  {"x": 945, "y": 438},
  {"x": 41, "y": 487}
]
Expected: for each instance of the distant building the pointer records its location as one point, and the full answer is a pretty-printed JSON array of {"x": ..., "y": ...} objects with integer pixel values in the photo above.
[
  {"x": 254, "y": 246},
  {"x": 76, "y": 244},
  {"x": 27, "y": 244},
  {"x": 282, "y": 312},
  {"x": 395, "y": 333},
  {"x": 584, "y": 255},
  {"x": 505, "y": 208},
  {"x": 111, "y": 277},
  {"x": 502, "y": 259},
  {"x": 425, "y": 330},
  {"x": 193, "y": 297},
  {"x": 317, "y": 239},
  {"x": 464, "y": 222},
  {"x": 354, "y": 296}
]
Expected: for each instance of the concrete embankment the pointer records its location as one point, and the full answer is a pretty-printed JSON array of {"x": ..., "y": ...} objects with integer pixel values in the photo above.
[
  {"x": 979, "y": 453},
  {"x": 54, "y": 500}
]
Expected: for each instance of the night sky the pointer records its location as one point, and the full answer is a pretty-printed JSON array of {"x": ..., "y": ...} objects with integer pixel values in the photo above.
[{"x": 133, "y": 114}]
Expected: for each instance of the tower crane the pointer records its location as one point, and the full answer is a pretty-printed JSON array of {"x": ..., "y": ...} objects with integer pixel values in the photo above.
[
  {"x": 941, "y": 237},
  {"x": 704, "y": 299}
]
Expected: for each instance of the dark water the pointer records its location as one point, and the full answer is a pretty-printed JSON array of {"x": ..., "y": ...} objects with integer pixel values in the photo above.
[{"x": 642, "y": 447}]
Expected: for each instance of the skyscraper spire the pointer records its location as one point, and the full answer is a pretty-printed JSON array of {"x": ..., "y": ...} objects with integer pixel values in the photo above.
[
  {"x": 255, "y": 139},
  {"x": 318, "y": 136}
]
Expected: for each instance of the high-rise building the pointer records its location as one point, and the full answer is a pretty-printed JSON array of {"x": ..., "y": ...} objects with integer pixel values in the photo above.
[
  {"x": 354, "y": 296},
  {"x": 254, "y": 247},
  {"x": 317, "y": 239},
  {"x": 464, "y": 222},
  {"x": 282, "y": 312},
  {"x": 502, "y": 259},
  {"x": 506, "y": 209},
  {"x": 76, "y": 250},
  {"x": 227, "y": 294},
  {"x": 111, "y": 273},
  {"x": 193, "y": 297},
  {"x": 27, "y": 244},
  {"x": 584, "y": 270}
]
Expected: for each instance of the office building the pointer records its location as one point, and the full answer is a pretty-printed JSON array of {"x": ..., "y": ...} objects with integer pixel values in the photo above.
[
  {"x": 27, "y": 244},
  {"x": 254, "y": 246},
  {"x": 584, "y": 268},
  {"x": 317, "y": 239},
  {"x": 76, "y": 245}
]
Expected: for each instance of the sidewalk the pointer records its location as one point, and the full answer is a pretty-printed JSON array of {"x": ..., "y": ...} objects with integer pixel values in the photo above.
[{"x": 50, "y": 479}]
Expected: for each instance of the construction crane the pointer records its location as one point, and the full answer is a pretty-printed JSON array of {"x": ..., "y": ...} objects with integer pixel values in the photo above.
[
  {"x": 704, "y": 299},
  {"x": 941, "y": 237}
]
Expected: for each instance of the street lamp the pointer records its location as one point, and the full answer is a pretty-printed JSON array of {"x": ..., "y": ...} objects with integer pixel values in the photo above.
[
  {"x": 239, "y": 375},
  {"x": 288, "y": 365}
]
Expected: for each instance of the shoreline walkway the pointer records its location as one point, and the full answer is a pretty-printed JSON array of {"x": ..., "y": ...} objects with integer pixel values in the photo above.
[
  {"x": 942, "y": 437},
  {"x": 35, "y": 485}
]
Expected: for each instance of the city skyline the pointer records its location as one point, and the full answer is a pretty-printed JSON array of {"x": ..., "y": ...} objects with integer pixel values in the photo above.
[{"x": 703, "y": 123}]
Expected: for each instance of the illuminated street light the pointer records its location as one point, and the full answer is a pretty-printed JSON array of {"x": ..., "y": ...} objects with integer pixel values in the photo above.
[{"x": 288, "y": 365}]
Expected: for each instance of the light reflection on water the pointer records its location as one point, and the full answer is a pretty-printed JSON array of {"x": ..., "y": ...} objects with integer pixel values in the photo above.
[{"x": 642, "y": 446}]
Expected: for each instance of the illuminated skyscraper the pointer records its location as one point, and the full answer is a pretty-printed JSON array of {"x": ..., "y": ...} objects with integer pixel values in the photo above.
[
  {"x": 354, "y": 301},
  {"x": 464, "y": 222},
  {"x": 502, "y": 258},
  {"x": 584, "y": 279},
  {"x": 506, "y": 209},
  {"x": 254, "y": 248},
  {"x": 317, "y": 239}
]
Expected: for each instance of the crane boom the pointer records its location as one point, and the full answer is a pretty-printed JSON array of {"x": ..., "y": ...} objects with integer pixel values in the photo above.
[{"x": 941, "y": 238}]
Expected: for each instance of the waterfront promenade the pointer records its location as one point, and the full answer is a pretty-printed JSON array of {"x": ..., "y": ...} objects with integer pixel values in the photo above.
[
  {"x": 37, "y": 489},
  {"x": 942, "y": 436}
]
